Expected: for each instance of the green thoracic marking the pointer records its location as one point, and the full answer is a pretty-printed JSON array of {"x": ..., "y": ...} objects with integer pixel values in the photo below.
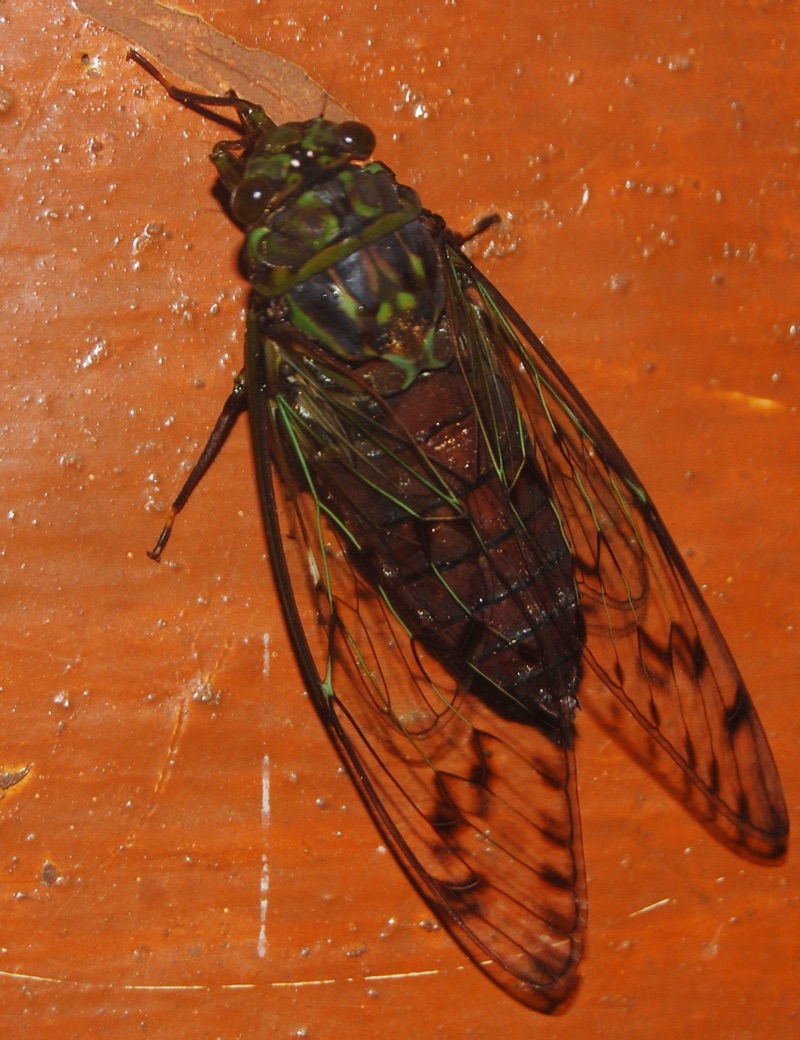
[{"x": 272, "y": 275}]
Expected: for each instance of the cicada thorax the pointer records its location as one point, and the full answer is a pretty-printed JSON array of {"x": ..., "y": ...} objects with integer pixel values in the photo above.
[
  {"x": 335, "y": 249},
  {"x": 422, "y": 459}
]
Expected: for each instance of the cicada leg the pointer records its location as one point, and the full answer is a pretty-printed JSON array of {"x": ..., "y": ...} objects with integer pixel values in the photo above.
[{"x": 231, "y": 410}]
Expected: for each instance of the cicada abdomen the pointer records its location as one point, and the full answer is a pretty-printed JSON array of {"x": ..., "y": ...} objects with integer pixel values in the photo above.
[{"x": 479, "y": 557}]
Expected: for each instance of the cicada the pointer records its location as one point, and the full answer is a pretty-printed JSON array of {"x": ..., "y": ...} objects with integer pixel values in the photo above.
[{"x": 462, "y": 553}]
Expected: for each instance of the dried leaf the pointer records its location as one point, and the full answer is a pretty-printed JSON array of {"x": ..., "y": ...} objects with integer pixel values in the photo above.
[{"x": 194, "y": 51}]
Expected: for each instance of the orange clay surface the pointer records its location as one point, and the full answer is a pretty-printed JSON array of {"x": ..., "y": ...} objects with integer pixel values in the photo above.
[{"x": 645, "y": 160}]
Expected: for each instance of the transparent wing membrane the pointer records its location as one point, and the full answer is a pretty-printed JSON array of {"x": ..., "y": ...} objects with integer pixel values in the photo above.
[
  {"x": 481, "y": 810},
  {"x": 658, "y": 674}
]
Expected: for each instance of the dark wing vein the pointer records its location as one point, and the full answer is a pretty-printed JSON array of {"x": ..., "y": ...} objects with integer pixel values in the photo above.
[{"x": 679, "y": 703}]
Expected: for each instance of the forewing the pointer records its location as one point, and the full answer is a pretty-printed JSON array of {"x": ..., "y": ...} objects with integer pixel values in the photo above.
[
  {"x": 481, "y": 811},
  {"x": 658, "y": 673}
]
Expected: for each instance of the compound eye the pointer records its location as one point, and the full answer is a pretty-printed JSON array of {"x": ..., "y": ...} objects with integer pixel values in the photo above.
[
  {"x": 356, "y": 139},
  {"x": 251, "y": 198}
]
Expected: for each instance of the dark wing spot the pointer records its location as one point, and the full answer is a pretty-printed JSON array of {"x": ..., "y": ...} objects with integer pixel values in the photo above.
[
  {"x": 445, "y": 817},
  {"x": 552, "y": 876},
  {"x": 739, "y": 711},
  {"x": 699, "y": 658}
]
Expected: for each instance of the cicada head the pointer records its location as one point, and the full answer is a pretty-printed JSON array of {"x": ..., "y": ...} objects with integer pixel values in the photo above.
[{"x": 273, "y": 163}]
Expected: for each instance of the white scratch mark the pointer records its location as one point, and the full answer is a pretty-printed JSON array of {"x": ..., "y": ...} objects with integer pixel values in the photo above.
[
  {"x": 265, "y": 656},
  {"x": 264, "y": 883},
  {"x": 301, "y": 983},
  {"x": 403, "y": 975},
  {"x": 305, "y": 983},
  {"x": 187, "y": 987},
  {"x": 130, "y": 986},
  {"x": 653, "y": 906},
  {"x": 166, "y": 987}
]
